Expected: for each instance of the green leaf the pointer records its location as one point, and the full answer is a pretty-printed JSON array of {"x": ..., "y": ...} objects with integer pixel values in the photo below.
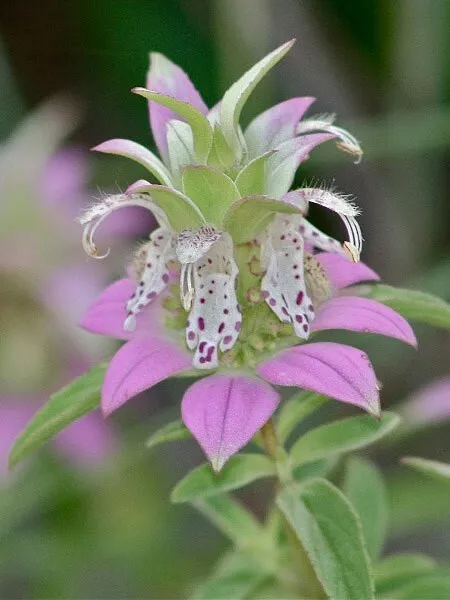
[
  {"x": 211, "y": 190},
  {"x": 239, "y": 471},
  {"x": 342, "y": 436},
  {"x": 431, "y": 586},
  {"x": 251, "y": 180},
  {"x": 235, "y": 578},
  {"x": 180, "y": 211},
  {"x": 237, "y": 95},
  {"x": 366, "y": 490},
  {"x": 199, "y": 124},
  {"x": 329, "y": 530},
  {"x": 297, "y": 408},
  {"x": 434, "y": 468},
  {"x": 394, "y": 571},
  {"x": 318, "y": 468},
  {"x": 232, "y": 519},
  {"x": 412, "y": 304},
  {"x": 70, "y": 403},
  {"x": 250, "y": 215},
  {"x": 169, "y": 433}
]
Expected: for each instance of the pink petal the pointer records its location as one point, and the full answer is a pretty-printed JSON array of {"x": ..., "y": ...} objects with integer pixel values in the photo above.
[
  {"x": 167, "y": 78},
  {"x": 139, "y": 365},
  {"x": 88, "y": 441},
  {"x": 107, "y": 314},
  {"x": 365, "y": 316},
  {"x": 335, "y": 370},
  {"x": 430, "y": 404},
  {"x": 275, "y": 125},
  {"x": 343, "y": 272},
  {"x": 224, "y": 412}
]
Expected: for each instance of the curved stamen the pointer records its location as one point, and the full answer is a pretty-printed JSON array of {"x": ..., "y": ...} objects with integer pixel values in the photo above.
[
  {"x": 96, "y": 214},
  {"x": 348, "y": 143}
]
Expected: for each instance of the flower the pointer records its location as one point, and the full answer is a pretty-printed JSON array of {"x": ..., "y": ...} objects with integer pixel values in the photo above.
[{"x": 232, "y": 272}]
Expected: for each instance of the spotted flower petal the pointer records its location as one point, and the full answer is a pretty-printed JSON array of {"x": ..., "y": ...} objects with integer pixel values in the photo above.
[
  {"x": 215, "y": 318},
  {"x": 283, "y": 286},
  {"x": 167, "y": 78},
  {"x": 335, "y": 370},
  {"x": 152, "y": 273},
  {"x": 275, "y": 125},
  {"x": 224, "y": 412},
  {"x": 342, "y": 272},
  {"x": 365, "y": 316},
  {"x": 139, "y": 365}
]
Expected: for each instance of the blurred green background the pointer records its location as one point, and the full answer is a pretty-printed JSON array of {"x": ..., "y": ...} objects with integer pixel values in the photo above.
[{"x": 384, "y": 68}]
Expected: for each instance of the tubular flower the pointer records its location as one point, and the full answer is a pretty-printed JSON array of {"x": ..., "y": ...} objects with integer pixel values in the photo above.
[{"x": 235, "y": 278}]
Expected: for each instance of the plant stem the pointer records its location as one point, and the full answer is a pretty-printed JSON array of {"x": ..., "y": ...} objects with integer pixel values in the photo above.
[{"x": 310, "y": 585}]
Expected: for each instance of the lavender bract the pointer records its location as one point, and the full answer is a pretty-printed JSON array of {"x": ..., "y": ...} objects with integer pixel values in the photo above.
[{"x": 235, "y": 279}]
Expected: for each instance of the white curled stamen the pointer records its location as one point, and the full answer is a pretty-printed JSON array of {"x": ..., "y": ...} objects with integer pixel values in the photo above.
[{"x": 348, "y": 143}]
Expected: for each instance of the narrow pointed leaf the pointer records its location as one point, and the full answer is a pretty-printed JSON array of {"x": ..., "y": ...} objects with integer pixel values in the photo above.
[
  {"x": 329, "y": 530},
  {"x": 394, "y": 571},
  {"x": 340, "y": 437},
  {"x": 172, "y": 432},
  {"x": 430, "y": 586},
  {"x": 232, "y": 519},
  {"x": 64, "y": 407},
  {"x": 249, "y": 216},
  {"x": 366, "y": 490},
  {"x": 295, "y": 410},
  {"x": 199, "y": 124},
  {"x": 235, "y": 578},
  {"x": 235, "y": 98},
  {"x": 240, "y": 470},
  {"x": 211, "y": 190},
  {"x": 434, "y": 468},
  {"x": 181, "y": 212},
  {"x": 138, "y": 153},
  {"x": 412, "y": 304}
]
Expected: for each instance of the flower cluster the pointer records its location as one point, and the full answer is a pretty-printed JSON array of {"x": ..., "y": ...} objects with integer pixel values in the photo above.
[{"x": 235, "y": 278}]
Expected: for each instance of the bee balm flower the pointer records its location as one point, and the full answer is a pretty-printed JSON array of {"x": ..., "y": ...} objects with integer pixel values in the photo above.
[{"x": 231, "y": 280}]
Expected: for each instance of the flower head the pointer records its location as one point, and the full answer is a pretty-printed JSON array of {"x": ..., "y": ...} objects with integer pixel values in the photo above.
[{"x": 235, "y": 278}]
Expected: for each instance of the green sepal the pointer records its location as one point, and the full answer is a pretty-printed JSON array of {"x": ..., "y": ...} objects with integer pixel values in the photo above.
[
  {"x": 69, "y": 404},
  {"x": 199, "y": 124},
  {"x": 212, "y": 191},
  {"x": 330, "y": 532},
  {"x": 221, "y": 155},
  {"x": 180, "y": 147},
  {"x": 236, "y": 96},
  {"x": 180, "y": 211},
  {"x": 436, "y": 469},
  {"x": 239, "y": 471},
  {"x": 365, "y": 488},
  {"x": 172, "y": 432},
  {"x": 251, "y": 180},
  {"x": 412, "y": 304},
  {"x": 247, "y": 218},
  {"x": 340, "y": 437},
  {"x": 294, "y": 410}
]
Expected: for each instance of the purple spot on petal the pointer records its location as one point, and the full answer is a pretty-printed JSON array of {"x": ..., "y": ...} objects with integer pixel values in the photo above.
[
  {"x": 299, "y": 298},
  {"x": 305, "y": 328},
  {"x": 237, "y": 326},
  {"x": 299, "y": 318},
  {"x": 201, "y": 323},
  {"x": 272, "y": 302},
  {"x": 191, "y": 335},
  {"x": 165, "y": 278},
  {"x": 221, "y": 327},
  {"x": 201, "y": 347},
  {"x": 227, "y": 339}
]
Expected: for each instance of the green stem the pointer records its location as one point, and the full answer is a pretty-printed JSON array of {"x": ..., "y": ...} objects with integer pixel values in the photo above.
[{"x": 310, "y": 585}]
